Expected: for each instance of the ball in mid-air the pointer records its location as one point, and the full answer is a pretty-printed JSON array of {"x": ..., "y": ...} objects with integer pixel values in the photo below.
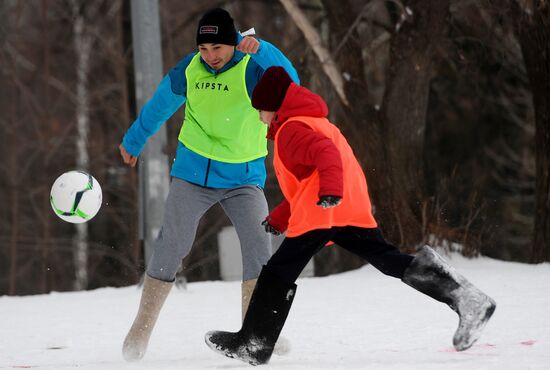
[{"x": 76, "y": 197}]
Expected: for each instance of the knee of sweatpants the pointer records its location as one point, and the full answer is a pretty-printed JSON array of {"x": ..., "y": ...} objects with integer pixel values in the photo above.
[
  {"x": 251, "y": 270},
  {"x": 254, "y": 257},
  {"x": 163, "y": 266},
  {"x": 164, "y": 273}
]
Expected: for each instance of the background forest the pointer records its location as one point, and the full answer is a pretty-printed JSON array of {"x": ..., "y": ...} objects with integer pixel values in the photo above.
[{"x": 446, "y": 104}]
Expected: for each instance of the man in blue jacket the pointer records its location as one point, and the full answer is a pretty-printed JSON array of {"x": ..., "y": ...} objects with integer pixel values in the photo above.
[{"x": 220, "y": 158}]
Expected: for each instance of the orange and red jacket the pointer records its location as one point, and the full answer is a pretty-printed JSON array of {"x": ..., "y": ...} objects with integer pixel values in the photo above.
[{"x": 312, "y": 158}]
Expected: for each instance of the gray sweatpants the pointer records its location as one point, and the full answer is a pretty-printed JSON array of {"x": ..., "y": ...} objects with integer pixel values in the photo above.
[{"x": 245, "y": 206}]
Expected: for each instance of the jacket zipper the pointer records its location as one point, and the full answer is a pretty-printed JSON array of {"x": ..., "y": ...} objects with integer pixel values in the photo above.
[{"x": 207, "y": 172}]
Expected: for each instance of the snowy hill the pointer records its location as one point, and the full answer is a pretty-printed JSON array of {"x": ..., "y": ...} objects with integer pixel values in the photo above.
[{"x": 355, "y": 320}]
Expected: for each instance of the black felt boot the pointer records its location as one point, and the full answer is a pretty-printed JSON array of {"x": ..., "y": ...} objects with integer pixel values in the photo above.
[
  {"x": 430, "y": 274},
  {"x": 264, "y": 320}
]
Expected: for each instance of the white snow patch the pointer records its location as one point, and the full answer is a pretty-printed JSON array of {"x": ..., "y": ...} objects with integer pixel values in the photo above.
[{"x": 356, "y": 320}]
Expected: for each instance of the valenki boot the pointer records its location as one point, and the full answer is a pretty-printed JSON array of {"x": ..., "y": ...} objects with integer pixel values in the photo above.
[
  {"x": 152, "y": 299},
  {"x": 282, "y": 347},
  {"x": 263, "y": 322},
  {"x": 430, "y": 274}
]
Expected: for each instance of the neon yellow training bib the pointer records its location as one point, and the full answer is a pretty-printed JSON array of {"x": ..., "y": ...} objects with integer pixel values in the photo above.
[{"x": 220, "y": 122}]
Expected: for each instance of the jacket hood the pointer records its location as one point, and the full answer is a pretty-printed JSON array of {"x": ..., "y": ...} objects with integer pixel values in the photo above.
[{"x": 298, "y": 101}]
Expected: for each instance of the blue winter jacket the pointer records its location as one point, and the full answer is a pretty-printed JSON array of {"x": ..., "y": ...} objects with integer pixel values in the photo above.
[{"x": 171, "y": 95}]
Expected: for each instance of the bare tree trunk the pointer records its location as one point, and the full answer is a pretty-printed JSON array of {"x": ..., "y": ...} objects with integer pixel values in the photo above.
[
  {"x": 125, "y": 116},
  {"x": 14, "y": 206},
  {"x": 82, "y": 45},
  {"x": 314, "y": 40},
  {"x": 45, "y": 250},
  {"x": 45, "y": 241},
  {"x": 13, "y": 240},
  {"x": 534, "y": 36},
  {"x": 412, "y": 54},
  {"x": 10, "y": 196},
  {"x": 390, "y": 138}
]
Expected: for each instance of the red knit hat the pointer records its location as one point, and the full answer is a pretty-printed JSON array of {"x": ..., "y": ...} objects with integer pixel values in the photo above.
[{"x": 271, "y": 89}]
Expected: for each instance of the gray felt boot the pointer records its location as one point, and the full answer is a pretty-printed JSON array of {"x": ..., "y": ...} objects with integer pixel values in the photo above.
[
  {"x": 152, "y": 298},
  {"x": 430, "y": 274}
]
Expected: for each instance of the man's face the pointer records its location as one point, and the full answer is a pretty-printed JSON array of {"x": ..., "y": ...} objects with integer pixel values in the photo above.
[
  {"x": 266, "y": 116},
  {"x": 216, "y": 55}
]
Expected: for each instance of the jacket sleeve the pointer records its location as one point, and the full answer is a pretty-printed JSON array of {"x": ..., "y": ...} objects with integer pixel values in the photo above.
[
  {"x": 278, "y": 218},
  {"x": 167, "y": 99},
  {"x": 301, "y": 149},
  {"x": 268, "y": 56},
  {"x": 154, "y": 113}
]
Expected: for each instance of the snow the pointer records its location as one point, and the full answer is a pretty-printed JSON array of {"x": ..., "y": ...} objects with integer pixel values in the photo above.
[{"x": 361, "y": 319}]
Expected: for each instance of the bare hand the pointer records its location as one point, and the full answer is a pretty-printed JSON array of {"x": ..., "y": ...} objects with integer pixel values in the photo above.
[
  {"x": 249, "y": 45},
  {"x": 127, "y": 157}
]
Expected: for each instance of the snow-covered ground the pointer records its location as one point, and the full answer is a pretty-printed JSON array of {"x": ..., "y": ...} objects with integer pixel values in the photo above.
[{"x": 355, "y": 320}]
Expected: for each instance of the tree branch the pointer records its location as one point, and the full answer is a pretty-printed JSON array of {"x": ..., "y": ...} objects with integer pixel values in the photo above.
[{"x": 314, "y": 40}]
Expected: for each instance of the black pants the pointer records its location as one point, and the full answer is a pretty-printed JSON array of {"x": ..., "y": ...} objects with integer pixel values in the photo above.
[{"x": 294, "y": 253}]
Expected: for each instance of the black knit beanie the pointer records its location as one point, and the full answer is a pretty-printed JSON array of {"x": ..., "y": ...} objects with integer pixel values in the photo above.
[{"x": 216, "y": 26}]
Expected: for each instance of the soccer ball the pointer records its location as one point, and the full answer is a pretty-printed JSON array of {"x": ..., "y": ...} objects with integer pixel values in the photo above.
[{"x": 76, "y": 197}]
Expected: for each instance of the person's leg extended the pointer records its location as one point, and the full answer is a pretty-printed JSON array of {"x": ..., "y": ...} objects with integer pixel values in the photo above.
[
  {"x": 370, "y": 245},
  {"x": 185, "y": 205},
  {"x": 428, "y": 273}
]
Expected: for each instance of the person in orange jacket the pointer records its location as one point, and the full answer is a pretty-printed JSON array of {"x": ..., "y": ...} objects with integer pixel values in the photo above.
[{"x": 326, "y": 199}]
